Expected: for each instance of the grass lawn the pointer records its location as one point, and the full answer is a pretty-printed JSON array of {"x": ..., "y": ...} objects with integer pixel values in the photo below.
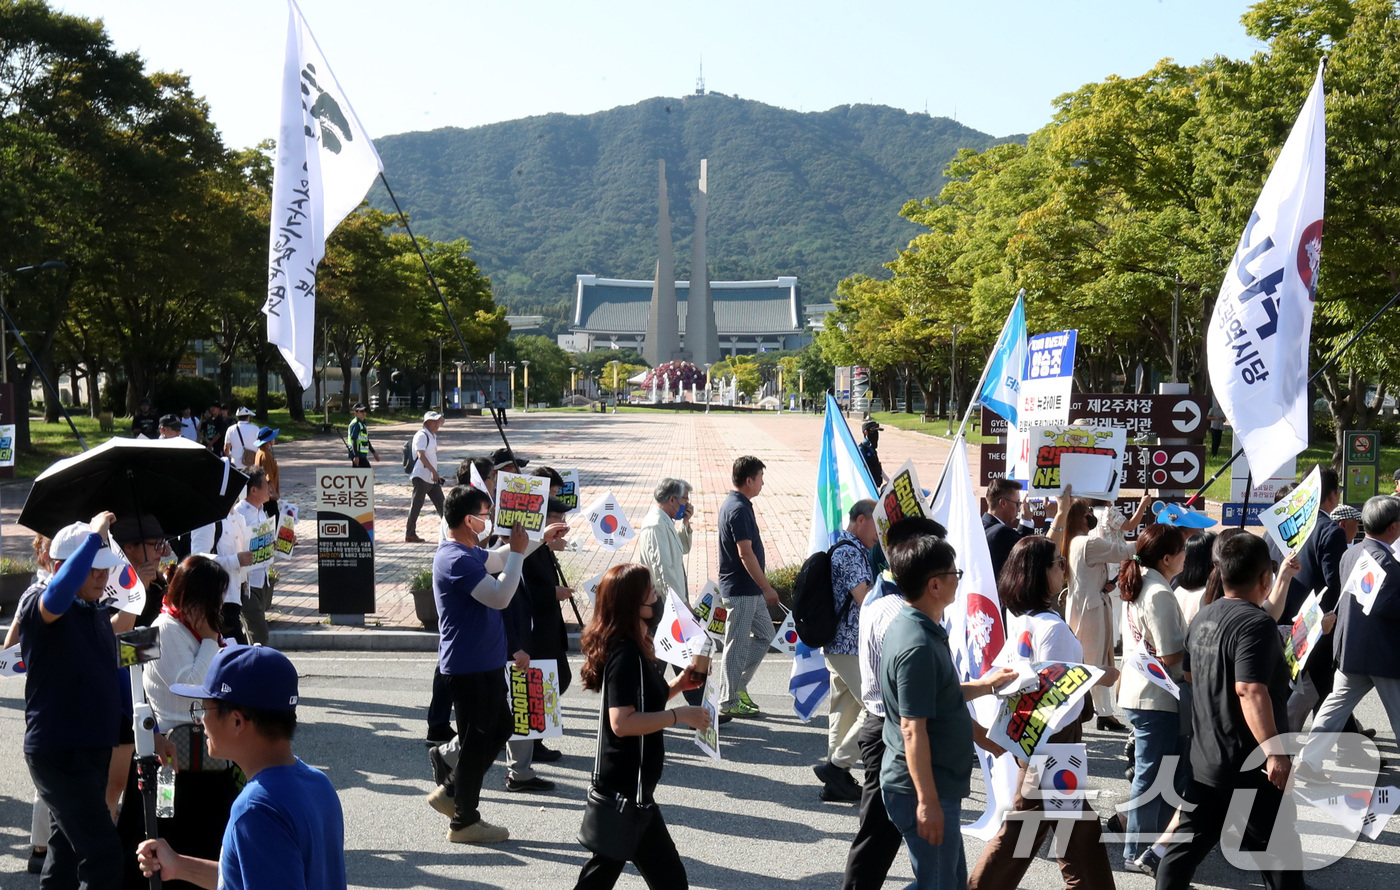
[
  {"x": 937, "y": 428},
  {"x": 54, "y": 441}
]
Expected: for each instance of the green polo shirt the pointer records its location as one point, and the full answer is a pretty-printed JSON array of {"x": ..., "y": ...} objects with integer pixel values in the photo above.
[{"x": 918, "y": 680}]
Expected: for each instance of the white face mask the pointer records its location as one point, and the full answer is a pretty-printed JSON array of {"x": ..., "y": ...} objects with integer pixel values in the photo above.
[{"x": 487, "y": 527}]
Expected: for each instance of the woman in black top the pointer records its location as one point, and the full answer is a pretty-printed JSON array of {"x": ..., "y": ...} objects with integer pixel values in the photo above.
[{"x": 618, "y": 655}]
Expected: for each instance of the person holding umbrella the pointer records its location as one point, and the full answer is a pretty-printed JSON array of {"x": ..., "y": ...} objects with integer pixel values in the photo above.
[{"x": 74, "y": 705}]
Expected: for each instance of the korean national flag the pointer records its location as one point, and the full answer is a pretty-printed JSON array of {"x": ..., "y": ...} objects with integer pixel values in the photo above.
[
  {"x": 610, "y": 527},
  {"x": 679, "y": 634}
]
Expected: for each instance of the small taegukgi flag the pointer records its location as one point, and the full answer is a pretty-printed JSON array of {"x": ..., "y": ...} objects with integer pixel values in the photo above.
[
  {"x": 610, "y": 526},
  {"x": 325, "y": 163}
]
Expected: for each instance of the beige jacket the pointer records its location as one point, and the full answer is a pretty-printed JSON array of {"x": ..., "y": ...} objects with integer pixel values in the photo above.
[{"x": 662, "y": 548}]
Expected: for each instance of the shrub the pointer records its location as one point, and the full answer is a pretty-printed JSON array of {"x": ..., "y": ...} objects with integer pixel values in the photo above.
[
  {"x": 196, "y": 393},
  {"x": 248, "y": 395}
]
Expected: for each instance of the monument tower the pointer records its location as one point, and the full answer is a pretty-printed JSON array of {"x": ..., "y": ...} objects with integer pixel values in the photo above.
[
  {"x": 701, "y": 332},
  {"x": 663, "y": 338}
]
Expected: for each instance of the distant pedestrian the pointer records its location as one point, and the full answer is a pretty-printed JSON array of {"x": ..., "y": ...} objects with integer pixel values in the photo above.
[
  {"x": 145, "y": 424},
  {"x": 189, "y": 424},
  {"x": 286, "y": 828},
  {"x": 744, "y": 587},
  {"x": 619, "y": 662},
  {"x": 869, "y": 451},
  {"x": 241, "y": 440},
  {"x": 169, "y": 427},
  {"x": 357, "y": 438},
  {"x": 425, "y": 478},
  {"x": 211, "y": 429},
  {"x": 1216, "y": 416}
]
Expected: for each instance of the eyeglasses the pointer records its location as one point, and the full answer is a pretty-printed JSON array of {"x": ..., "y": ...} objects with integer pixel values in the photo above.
[
  {"x": 956, "y": 574},
  {"x": 198, "y": 710}
]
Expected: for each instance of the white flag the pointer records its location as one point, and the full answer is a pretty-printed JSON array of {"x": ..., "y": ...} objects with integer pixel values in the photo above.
[
  {"x": 610, "y": 527},
  {"x": 325, "y": 164},
  {"x": 1257, "y": 344}
]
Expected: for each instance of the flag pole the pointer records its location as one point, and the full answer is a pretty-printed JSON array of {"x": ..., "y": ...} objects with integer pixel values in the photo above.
[
  {"x": 1320, "y": 371},
  {"x": 968, "y": 413},
  {"x": 476, "y": 374}
]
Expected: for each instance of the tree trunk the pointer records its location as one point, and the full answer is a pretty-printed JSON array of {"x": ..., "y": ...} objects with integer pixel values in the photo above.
[
  {"x": 51, "y": 399},
  {"x": 226, "y": 378},
  {"x": 293, "y": 387},
  {"x": 262, "y": 360},
  {"x": 364, "y": 386}
]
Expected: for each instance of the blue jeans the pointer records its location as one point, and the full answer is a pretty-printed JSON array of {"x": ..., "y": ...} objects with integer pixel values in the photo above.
[
  {"x": 935, "y": 867},
  {"x": 1155, "y": 736}
]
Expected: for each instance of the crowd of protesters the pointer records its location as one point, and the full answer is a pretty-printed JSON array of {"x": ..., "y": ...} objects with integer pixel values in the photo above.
[{"x": 1205, "y": 605}]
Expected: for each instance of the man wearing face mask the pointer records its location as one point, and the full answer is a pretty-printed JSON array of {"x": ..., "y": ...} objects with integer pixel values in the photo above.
[
  {"x": 868, "y": 451},
  {"x": 661, "y": 547},
  {"x": 1093, "y": 561}
]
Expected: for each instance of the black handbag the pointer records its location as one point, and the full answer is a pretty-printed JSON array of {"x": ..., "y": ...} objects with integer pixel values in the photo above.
[{"x": 612, "y": 824}]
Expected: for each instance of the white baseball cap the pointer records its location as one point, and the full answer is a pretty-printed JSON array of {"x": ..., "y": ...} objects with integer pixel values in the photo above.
[
  {"x": 71, "y": 537},
  {"x": 245, "y": 411},
  {"x": 431, "y": 415}
]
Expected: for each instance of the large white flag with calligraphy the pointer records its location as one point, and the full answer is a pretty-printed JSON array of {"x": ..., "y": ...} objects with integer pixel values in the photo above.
[
  {"x": 325, "y": 164},
  {"x": 1257, "y": 345}
]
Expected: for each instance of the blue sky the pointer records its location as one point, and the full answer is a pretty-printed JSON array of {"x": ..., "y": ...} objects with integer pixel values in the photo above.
[{"x": 424, "y": 64}]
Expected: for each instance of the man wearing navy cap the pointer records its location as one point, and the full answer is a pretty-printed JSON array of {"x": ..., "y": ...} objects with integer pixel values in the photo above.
[{"x": 286, "y": 828}]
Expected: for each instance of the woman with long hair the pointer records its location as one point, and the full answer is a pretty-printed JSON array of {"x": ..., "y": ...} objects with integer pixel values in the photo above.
[
  {"x": 190, "y": 624},
  {"x": 619, "y": 660},
  {"x": 1152, "y": 622},
  {"x": 1195, "y": 573},
  {"x": 1030, "y": 585},
  {"x": 1093, "y": 567}
]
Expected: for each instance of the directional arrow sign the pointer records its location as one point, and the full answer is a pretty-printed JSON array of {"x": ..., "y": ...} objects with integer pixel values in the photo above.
[
  {"x": 1186, "y": 416},
  {"x": 1166, "y": 466}
]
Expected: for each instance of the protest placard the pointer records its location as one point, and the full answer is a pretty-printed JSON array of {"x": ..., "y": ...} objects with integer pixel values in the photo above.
[
  {"x": 707, "y": 740},
  {"x": 1146, "y": 663},
  {"x": 1049, "y": 445},
  {"x": 533, "y": 697},
  {"x": 1045, "y": 387},
  {"x": 286, "y": 531},
  {"x": 1027, "y": 719},
  {"x": 11, "y": 662},
  {"x": 709, "y": 611},
  {"x": 568, "y": 492},
  {"x": 1291, "y": 521},
  {"x": 785, "y": 640},
  {"x": 7, "y": 445},
  {"x": 679, "y": 634},
  {"x": 1365, "y": 581},
  {"x": 262, "y": 539},
  {"x": 610, "y": 527},
  {"x": 521, "y": 499},
  {"x": 1300, "y": 636},
  {"x": 900, "y": 498},
  {"x": 1061, "y": 773}
]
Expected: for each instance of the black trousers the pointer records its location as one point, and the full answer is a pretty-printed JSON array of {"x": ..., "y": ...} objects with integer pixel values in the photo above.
[
  {"x": 1271, "y": 811},
  {"x": 483, "y": 725},
  {"x": 440, "y": 709},
  {"x": 360, "y": 462},
  {"x": 422, "y": 489},
  {"x": 657, "y": 860},
  {"x": 84, "y": 848},
  {"x": 877, "y": 841},
  {"x": 232, "y": 621}
]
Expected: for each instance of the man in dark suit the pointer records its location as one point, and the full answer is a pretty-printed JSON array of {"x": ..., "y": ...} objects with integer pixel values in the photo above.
[
  {"x": 1321, "y": 559},
  {"x": 1004, "y": 504},
  {"x": 1366, "y": 656}
]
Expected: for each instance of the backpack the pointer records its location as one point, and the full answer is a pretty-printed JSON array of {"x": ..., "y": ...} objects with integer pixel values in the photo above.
[
  {"x": 410, "y": 457},
  {"x": 814, "y": 611},
  {"x": 182, "y": 545}
]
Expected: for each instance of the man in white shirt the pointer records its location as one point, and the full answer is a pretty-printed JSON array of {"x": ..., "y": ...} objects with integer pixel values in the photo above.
[
  {"x": 241, "y": 440},
  {"x": 262, "y": 532},
  {"x": 424, "y": 477},
  {"x": 189, "y": 424}
]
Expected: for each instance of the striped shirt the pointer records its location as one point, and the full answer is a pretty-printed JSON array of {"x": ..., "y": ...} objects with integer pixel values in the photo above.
[{"x": 879, "y": 608}]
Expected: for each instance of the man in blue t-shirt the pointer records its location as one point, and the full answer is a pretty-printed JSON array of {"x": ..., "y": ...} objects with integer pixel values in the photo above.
[
  {"x": 745, "y": 588},
  {"x": 73, "y": 706},
  {"x": 286, "y": 828}
]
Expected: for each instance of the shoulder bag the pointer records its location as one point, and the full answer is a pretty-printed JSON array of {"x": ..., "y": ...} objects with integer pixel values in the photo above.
[
  {"x": 190, "y": 751},
  {"x": 612, "y": 824}
]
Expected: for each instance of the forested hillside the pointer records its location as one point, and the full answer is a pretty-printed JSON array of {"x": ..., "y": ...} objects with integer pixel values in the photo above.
[{"x": 542, "y": 199}]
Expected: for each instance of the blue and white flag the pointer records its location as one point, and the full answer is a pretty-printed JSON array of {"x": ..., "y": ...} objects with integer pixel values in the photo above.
[
  {"x": 810, "y": 683},
  {"x": 842, "y": 479},
  {"x": 1257, "y": 343},
  {"x": 1002, "y": 386}
]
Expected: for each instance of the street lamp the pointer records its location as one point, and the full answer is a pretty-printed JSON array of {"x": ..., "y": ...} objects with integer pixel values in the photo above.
[
  {"x": 616, "y": 364},
  {"x": 526, "y": 363},
  {"x": 459, "y": 365},
  {"x": 953, "y": 377},
  {"x": 708, "y": 391},
  {"x": 780, "y": 389},
  {"x": 511, "y": 367},
  {"x": 801, "y": 392},
  {"x": 1176, "y": 312}
]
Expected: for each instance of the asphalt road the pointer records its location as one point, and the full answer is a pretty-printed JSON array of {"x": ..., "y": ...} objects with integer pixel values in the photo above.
[{"x": 752, "y": 821}]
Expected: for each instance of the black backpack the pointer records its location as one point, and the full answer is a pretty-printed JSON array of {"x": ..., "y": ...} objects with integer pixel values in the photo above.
[
  {"x": 410, "y": 457},
  {"x": 814, "y": 611}
]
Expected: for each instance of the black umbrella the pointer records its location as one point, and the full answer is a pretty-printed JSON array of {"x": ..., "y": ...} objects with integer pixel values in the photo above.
[{"x": 177, "y": 481}]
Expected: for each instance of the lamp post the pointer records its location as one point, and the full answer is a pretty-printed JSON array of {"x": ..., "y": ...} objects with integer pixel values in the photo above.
[
  {"x": 780, "y": 389},
  {"x": 953, "y": 378},
  {"x": 1176, "y": 312},
  {"x": 573, "y": 379},
  {"x": 459, "y": 365},
  {"x": 511, "y": 368},
  {"x": 617, "y": 365},
  {"x": 801, "y": 392},
  {"x": 526, "y": 363}
]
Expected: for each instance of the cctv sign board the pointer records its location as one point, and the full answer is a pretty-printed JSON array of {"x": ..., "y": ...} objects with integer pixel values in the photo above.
[{"x": 345, "y": 540}]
